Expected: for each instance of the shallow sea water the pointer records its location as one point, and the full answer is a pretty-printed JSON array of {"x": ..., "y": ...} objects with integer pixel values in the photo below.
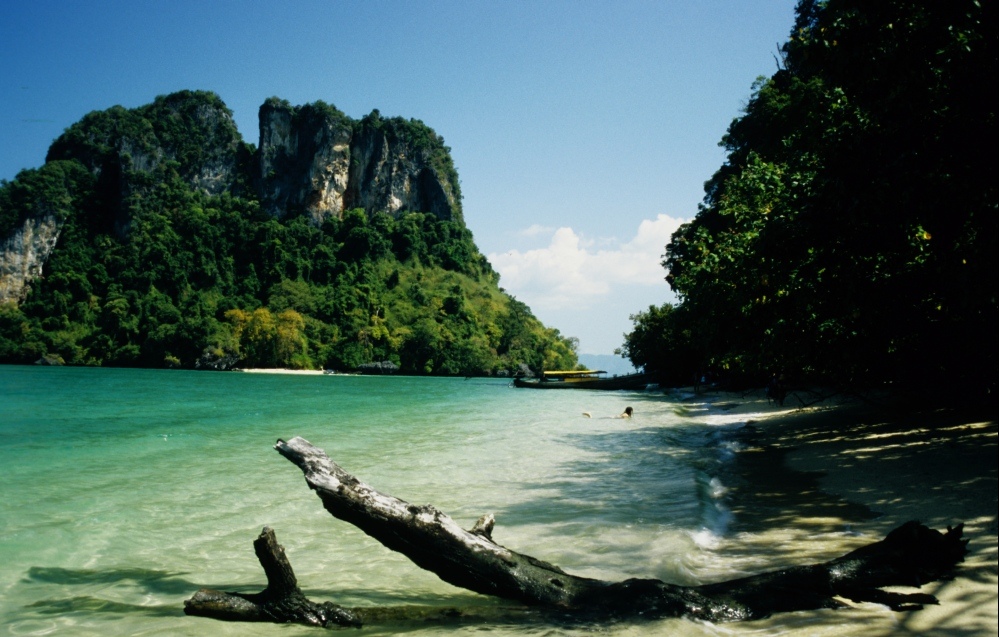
[{"x": 124, "y": 491}]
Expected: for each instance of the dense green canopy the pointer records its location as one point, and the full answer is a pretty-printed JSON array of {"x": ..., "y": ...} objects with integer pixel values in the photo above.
[
  {"x": 850, "y": 237},
  {"x": 151, "y": 270}
]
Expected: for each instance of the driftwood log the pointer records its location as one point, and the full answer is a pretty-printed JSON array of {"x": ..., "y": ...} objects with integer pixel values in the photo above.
[{"x": 911, "y": 555}]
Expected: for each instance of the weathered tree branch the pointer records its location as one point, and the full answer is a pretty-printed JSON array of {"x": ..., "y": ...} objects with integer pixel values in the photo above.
[
  {"x": 910, "y": 555},
  {"x": 281, "y": 602},
  {"x": 431, "y": 539}
]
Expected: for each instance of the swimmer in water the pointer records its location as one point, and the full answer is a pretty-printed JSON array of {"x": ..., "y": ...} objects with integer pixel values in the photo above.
[{"x": 627, "y": 413}]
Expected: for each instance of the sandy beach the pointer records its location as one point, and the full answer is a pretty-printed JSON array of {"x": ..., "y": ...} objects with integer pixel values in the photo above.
[
  {"x": 278, "y": 370},
  {"x": 845, "y": 473}
]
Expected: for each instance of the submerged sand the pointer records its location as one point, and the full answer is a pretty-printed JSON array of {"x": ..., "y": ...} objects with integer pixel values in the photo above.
[{"x": 844, "y": 468}]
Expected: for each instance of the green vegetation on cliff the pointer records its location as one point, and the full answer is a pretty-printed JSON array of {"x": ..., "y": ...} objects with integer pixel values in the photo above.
[
  {"x": 157, "y": 265},
  {"x": 851, "y": 235}
]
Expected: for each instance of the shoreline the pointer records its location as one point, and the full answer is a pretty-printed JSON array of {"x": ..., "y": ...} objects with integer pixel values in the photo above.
[
  {"x": 280, "y": 370},
  {"x": 843, "y": 473}
]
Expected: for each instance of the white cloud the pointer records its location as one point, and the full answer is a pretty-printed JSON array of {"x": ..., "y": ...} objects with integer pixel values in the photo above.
[
  {"x": 535, "y": 229},
  {"x": 570, "y": 273}
]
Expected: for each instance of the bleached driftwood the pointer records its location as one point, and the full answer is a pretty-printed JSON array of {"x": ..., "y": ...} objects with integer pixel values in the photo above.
[{"x": 911, "y": 555}]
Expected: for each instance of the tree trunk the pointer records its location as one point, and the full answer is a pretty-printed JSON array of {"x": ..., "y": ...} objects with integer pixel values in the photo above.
[
  {"x": 281, "y": 602},
  {"x": 910, "y": 555}
]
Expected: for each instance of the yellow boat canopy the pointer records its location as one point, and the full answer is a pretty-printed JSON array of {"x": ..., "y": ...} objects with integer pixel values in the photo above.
[{"x": 575, "y": 372}]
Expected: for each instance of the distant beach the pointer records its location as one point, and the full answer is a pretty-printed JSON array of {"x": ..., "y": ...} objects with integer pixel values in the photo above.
[{"x": 278, "y": 370}]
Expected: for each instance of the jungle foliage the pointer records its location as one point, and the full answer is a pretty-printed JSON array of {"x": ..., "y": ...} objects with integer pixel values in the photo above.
[
  {"x": 850, "y": 236},
  {"x": 152, "y": 271}
]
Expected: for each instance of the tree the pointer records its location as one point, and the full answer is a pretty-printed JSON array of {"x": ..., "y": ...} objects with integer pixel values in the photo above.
[
  {"x": 661, "y": 344},
  {"x": 851, "y": 234}
]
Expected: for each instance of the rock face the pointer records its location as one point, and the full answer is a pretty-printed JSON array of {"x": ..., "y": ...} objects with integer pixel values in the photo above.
[
  {"x": 392, "y": 172},
  {"x": 315, "y": 159},
  {"x": 304, "y": 159},
  {"x": 312, "y": 159},
  {"x": 127, "y": 150},
  {"x": 192, "y": 132},
  {"x": 23, "y": 254},
  {"x": 378, "y": 367}
]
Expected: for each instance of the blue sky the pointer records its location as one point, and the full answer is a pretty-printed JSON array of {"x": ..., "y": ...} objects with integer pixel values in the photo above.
[{"x": 582, "y": 131}]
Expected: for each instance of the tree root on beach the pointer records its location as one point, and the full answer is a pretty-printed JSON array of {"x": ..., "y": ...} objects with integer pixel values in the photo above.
[{"x": 911, "y": 555}]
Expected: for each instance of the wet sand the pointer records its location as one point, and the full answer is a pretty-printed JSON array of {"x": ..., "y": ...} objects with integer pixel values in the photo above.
[{"x": 843, "y": 469}]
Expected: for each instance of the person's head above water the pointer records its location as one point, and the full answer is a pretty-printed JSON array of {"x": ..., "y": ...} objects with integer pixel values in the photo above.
[{"x": 627, "y": 412}]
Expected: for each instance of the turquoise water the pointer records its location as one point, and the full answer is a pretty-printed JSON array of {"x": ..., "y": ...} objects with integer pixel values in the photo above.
[{"x": 125, "y": 491}]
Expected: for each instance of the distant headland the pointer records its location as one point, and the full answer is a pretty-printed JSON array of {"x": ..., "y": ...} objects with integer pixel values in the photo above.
[{"x": 158, "y": 237}]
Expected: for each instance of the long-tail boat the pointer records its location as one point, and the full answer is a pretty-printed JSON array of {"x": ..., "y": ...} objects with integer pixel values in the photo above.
[{"x": 583, "y": 379}]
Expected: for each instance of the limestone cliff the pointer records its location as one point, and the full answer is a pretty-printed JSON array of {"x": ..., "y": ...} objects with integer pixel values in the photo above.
[
  {"x": 312, "y": 159},
  {"x": 304, "y": 158},
  {"x": 155, "y": 237},
  {"x": 316, "y": 160},
  {"x": 401, "y": 166},
  {"x": 24, "y": 252},
  {"x": 191, "y": 132},
  {"x": 33, "y": 210}
]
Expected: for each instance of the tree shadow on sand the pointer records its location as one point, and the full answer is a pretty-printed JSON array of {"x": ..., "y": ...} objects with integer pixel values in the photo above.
[{"x": 741, "y": 473}]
